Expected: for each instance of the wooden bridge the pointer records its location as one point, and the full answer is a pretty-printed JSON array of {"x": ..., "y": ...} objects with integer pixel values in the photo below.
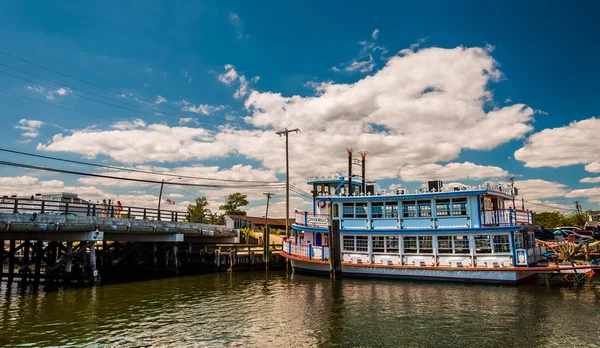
[{"x": 68, "y": 241}]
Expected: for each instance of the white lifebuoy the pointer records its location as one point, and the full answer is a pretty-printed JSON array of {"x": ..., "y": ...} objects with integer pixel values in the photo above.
[{"x": 322, "y": 204}]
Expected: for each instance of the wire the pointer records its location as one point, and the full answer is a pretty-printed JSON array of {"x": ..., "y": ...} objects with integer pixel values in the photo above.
[
  {"x": 548, "y": 206},
  {"x": 131, "y": 169},
  {"x": 176, "y": 117},
  {"x": 57, "y": 106},
  {"x": 29, "y": 166},
  {"x": 80, "y": 80}
]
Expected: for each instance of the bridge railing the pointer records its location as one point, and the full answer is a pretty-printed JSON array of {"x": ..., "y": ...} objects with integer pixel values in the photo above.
[{"x": 30, "y": 206}]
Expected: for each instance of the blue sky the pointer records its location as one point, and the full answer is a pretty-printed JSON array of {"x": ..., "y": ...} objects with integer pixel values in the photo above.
[{"x": 543, "y": 54}]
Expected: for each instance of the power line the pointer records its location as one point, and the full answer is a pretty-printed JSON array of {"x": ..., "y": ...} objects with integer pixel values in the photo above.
[
  {"x": 130, "y": 169},
  {"x": 80, "y": 80},
  {"x": 58, "y": 106},
  {"x": 59, "y": 84},
  {"x": 29, "y": 166}
]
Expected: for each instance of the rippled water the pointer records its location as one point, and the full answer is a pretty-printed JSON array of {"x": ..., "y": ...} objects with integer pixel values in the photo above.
[{"x": 278, "y": 309}]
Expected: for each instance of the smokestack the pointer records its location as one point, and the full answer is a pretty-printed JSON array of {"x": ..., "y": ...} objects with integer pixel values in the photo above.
[
  {"x": 349, "y": 170},
  {"x": 363, "y": 154}
]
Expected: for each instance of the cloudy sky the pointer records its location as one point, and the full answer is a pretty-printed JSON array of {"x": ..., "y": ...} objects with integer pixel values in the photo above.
[{"x": 467, "y": 92}]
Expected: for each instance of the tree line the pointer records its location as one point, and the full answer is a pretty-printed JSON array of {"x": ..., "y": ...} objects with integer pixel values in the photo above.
[
  {"x": 199, "y": 211},
  {"x": 552, "y": 219}
]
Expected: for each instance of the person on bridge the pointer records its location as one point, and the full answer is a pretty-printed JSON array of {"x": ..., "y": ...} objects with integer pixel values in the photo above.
[
  {"x": 119, "y": 209},
  {"x": 103, "y": 207}
]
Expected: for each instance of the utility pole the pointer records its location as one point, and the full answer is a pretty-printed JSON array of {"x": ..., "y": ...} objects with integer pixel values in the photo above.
[
  {"x": 162, "y": 183},
  {"x": 512, "y": 190},
  {"x": 578, "y": 208},
  {"x": 287, "y": 179},
  {"x": 266, "y": 252}
]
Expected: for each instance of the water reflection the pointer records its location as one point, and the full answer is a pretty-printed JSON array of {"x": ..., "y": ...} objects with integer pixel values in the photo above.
[{"x": 278, "y": 309}]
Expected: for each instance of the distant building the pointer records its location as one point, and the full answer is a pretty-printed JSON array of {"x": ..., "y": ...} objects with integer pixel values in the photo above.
[
  {"x": 254, "y": 222},
  {"x": 594, "y": 217}
]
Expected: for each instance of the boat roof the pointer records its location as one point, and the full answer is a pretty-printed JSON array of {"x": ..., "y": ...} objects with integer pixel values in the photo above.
[
  {"x": 331, "y": 179},
  {"x": 385, "y": 196}
]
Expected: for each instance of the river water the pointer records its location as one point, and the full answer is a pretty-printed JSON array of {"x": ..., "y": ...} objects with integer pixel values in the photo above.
[{"x": 277, "y": 309}]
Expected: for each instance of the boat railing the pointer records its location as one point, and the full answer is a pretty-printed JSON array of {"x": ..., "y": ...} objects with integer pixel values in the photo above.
[
  {"x": 305, "y": 218},
  {"x": 305, "y": 250},
  {"x": 506, "y": 217}
]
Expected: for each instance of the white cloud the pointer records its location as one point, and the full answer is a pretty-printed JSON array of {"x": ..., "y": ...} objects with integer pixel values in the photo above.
[
  {"x": 592, "y": 194},
  {"x": 242, "y": 89},
  {"x": 363, "y": 66},
  {"x": 590, "y": 180},
  {"x": 160, "y": 99},
  {"x": 50, "y": 94},
  {"x": 187, "y": 76},
  {"x": 375, "y": 34},
  {"x": 185, "y": 120},
  {"x": 154, "y": 142},
  {"x": 335, "y": 68},
  {"x": 30, "y": 128},
  {"x": 450, "y": 171},
  {"x": 201, "y": 109},
  {"x": 230, "y": 76},
  {"x": 125, "y": 125},
  {"x": 538, "y": 188},
  {"x": 175, "y": 195},
  {"x": 563, "y": 146},
  {"x": 539, "y": 206},
  {"x": 235, "y": 20},
  {"x": 421, "y": 108},
  {"x": 593, "y": 167},
  {"x": 507, "y": 100}
]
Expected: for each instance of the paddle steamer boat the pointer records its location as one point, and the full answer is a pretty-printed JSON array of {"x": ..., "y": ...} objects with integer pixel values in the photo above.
[{"x": 456, "y": 233}]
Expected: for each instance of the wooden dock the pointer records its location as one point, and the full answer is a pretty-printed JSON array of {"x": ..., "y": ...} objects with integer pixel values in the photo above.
[{"x": 65, "y": 242}]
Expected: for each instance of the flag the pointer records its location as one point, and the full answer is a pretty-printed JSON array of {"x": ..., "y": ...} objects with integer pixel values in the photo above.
[{"x": 169, "y": 202}]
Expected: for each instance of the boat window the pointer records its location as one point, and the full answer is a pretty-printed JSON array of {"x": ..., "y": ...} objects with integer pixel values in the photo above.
[
  {"x": 378, "y": 244},
  {"x": 361, "y": 210},
  {"x": 425, "y": 244},
  {"x": 518, "y": 241},
  {"x": 424, "y": 208},
  {"x": 348, "y": 243},
  {"x": 362, "y": 243},
  {"x": 459, "y": 206},
  {"x": 444, "y": 244},
  {"x": 409, "y": 209},
  {"x": 410, "y": 244},
  {"x": 336, "y": 210},
  {"x": 377, "y": 210},
  {"x": 442, "y": 207},
  {"x": 501, "y": 244},
  {"x": 461, "y": 245},
  {"x": 482, "y": 244},
  {"x": 391, "y": 244},
  {"x": 391, "y": 210},
  {"x": 348, "y": 210}
]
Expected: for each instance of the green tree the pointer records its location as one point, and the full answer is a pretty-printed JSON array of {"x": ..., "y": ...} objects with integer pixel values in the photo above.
[
  {"x": 577, "y": 220},
  {"x": 235, "y": 201},
  {"x": 198, "y": 210},
  {"x": 549, "y": 219}
]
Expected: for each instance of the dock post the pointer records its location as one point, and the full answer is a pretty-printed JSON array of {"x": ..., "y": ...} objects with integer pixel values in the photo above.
[
  {"x": 39, "y": 251},
  {"x": 335, "y": 253},
  {"x": 154, "y": 255},
  {"x": 93, "y": 260},
  {"x": 176, "y": 263},
  {"x": 11, "y": 260},
  {"x": 69, "y": 264},
  {"x": 1, "y": 258},
  {"x": 25, "y": 262}
]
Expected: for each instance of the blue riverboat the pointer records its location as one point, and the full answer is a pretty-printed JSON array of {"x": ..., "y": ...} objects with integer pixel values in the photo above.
[{"x": 456, "y": 233}]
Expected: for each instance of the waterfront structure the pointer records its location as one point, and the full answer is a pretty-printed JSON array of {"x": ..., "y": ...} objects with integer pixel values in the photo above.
[{"x": 458, "y": 233}]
